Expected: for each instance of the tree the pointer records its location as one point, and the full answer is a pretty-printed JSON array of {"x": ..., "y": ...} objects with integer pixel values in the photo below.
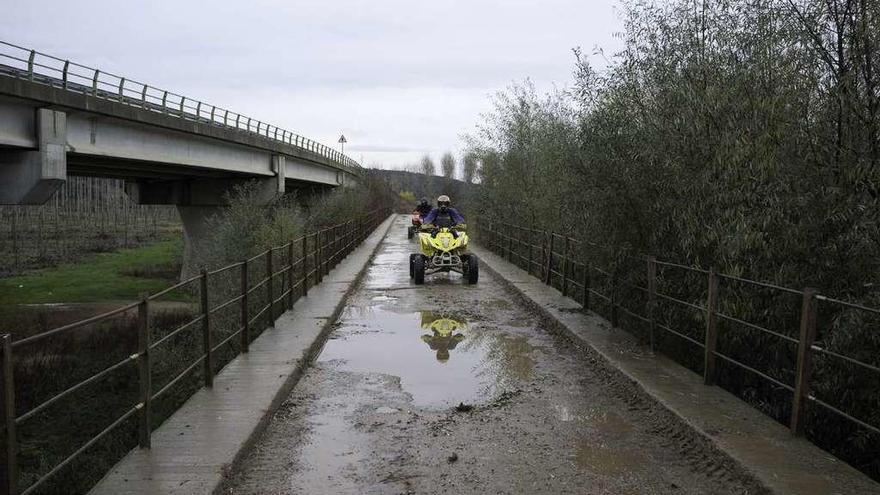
[
  {"x": 447, "y": 164},
  {"x": 743, "y": 135},
  {"x": 469, "y": 164},
  {"x": 427, "y": 165}
]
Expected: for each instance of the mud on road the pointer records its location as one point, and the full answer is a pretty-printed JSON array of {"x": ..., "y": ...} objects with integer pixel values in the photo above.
[{"x": 450, "y": 388}]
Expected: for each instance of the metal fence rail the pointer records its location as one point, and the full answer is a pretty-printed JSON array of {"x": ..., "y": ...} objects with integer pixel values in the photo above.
[
  {"x": 34, "y": 66},
  {"x": 552, "y": 258},
  {"x": 318, "y": 253}
]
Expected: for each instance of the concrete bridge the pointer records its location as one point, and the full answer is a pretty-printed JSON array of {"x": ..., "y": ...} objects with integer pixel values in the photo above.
[{"x": 59, "y": 118}]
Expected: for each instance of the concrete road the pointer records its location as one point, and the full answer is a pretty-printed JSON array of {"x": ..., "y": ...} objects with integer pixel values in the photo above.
[{"x": 450, "y": 388}]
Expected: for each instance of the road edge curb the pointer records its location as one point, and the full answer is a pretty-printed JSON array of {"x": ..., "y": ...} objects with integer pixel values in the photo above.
[
  {"x": 558, "y": 327},
  {"x": 312, "y": 352}
]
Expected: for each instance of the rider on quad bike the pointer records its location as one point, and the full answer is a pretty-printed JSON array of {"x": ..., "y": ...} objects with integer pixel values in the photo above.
[
  {"x": 423, "y": 208},
  {"x": 444, "y": 216},
  {"x": 421, "y": 211},
  {"x": 443, "y": 244}
]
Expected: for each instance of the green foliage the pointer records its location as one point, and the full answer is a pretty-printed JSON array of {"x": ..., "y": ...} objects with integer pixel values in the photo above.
[
  {"x": 742, "y": 135},
  {"x": 105, "y": 277},
  {"x": 250, "y": 225}
]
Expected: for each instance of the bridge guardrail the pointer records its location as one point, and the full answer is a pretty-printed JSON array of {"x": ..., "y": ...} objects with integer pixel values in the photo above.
[
  {"x": 552, "y": 258},
  {"x": 34, "y": 66},
  {"x": 280, "y": 267}
]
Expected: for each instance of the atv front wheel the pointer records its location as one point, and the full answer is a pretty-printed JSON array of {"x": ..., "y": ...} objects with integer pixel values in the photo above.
[
  {"x": 473, "y": 269},
  {"x": 418, "y": 267},
  {"x": 410, "y": 231}
]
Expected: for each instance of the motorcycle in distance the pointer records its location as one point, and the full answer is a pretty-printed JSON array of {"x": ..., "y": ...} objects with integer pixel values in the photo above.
[
  {"x": 443, "y": 250},
  {"x": 416, "y": 225}
]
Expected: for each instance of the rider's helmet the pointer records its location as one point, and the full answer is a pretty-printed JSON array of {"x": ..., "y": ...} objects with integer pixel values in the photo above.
[
  {"x": 443, "y": 202},
  {"x": 423, "y": 201}
]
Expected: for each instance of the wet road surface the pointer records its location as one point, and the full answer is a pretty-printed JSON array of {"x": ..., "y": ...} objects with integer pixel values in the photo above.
[{"x": 450, "y": 388}]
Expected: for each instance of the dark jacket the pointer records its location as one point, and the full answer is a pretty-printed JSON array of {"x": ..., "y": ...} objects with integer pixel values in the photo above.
[
  {"x": 423, "y": 209},
  {"x": 452, "y": 216}
]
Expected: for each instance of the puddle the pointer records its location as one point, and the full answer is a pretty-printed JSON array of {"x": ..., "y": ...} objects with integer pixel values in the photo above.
[
  {"x": 383, "y": 298},
  {"x": 604, "y": 460},
  {"x": 440, "y": 358}
]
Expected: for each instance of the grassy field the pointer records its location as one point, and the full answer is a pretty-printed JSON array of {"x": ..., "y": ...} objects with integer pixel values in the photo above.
[{"x": 117, "y": 276}]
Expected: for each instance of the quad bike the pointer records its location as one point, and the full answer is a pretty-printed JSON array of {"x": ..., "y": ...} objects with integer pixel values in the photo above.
[
  {"x": 416, "y": 225},
  {"x": 445, "y": 333},
  {"x": 443, "y": 250}
]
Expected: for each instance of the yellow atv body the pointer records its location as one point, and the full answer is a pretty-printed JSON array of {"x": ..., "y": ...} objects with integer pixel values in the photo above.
[{"x": 443, "y": 250}]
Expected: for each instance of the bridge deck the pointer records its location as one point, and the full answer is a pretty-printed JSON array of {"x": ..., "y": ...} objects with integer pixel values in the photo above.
[
  {"x": 194, "y": 448},
  {"x": 376, "y": 413}
]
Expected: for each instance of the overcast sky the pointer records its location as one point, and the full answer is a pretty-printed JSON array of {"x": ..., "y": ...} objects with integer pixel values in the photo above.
[{"x": 399, "y": 78}]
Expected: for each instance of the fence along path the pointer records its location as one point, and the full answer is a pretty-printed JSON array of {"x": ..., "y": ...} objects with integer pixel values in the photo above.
[
  {"x": 552, "y": 258},
  {"x": 279, "y": 275}
]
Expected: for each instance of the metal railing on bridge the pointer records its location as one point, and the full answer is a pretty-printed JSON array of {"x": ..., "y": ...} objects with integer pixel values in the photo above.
[
  {"x": 274, "y": 279},
  {"x": 37, "y": 67},
  {"x": 555, "y": 260}
]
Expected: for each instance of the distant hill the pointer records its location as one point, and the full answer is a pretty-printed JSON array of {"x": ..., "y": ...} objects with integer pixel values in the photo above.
[{"x": 421, "y": 185}]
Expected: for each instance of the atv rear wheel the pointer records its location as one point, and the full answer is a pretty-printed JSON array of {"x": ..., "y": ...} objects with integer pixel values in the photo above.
[
  {"x": 412, "y": 260},
  {"x": 419, "y": 269},
  {"x": 473, "y": 269}
]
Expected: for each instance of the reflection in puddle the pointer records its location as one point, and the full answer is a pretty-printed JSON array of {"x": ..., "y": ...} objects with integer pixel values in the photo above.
[
  {"x": 446, "y": 333},
  {"x": 441, "y": 358}
]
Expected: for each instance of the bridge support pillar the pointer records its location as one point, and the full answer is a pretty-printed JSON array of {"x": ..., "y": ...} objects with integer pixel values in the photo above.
[
  {"x": 196, "y": 230},
  {"x": 31, "y": 177},
  {"x": 198, "y": 200}
]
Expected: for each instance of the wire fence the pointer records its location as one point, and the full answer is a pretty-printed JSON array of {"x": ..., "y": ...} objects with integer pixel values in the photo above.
[
  {"x": 232, "y": 306},
  {"x": 87, "y": 214},
  {"x": 659, "y": 300},
  {"x": 31, "y": 65}
]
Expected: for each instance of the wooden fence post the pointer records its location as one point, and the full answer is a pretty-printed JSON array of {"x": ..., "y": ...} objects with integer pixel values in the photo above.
[
  {"x": 529, "y": 244},
  {"x": 615, "y": 320},
  {"x": 144, "y": 378},
  {"x": 327, "y": 256},
  {"x": 651, "y": 299},
  {"x": 315, "y": 255},
  {"x": 565, "y": 265},
  {"x": 290, "y": 275},
  {"x": 245, "y": 316},
  {"x": 585, "y": 297},
  {"x": 10, "y": 467},
  {"x": 319, "y": 257},
  {"x": 305, "y": 266},
  {"x": 509, "y": 242},
  {"x": 804, "y": 361},
  {"x": 206, "y": 331},
  {"x": 270, "y": 291},
  {"x": 711, "y": 329},
  {"x": 548, "y": 275}
]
